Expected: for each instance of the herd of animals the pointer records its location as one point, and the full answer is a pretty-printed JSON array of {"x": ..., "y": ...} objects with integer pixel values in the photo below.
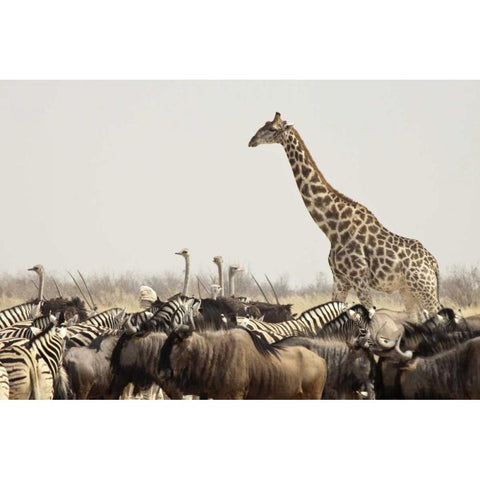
[{"x": 230, "y": 347}]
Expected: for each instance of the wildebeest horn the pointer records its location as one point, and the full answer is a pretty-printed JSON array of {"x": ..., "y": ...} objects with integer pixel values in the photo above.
[
  {"x": 407, "y": 355},
  {"x": 81, "y": 291},
  {"x": 130, "y": 329},
  {"x": 190, "y": 317}
]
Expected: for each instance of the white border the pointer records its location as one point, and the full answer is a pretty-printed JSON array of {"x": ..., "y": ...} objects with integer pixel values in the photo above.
[
  {"x": 261, "y": 40},
  {"x": 141, "y": 39}
]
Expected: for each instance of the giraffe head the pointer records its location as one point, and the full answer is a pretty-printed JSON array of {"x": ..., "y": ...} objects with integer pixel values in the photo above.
[{"x": 271, "y": 132}]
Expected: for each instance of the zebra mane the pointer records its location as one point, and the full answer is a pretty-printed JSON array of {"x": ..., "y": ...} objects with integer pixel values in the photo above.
[{"x": 328, "y": 305}]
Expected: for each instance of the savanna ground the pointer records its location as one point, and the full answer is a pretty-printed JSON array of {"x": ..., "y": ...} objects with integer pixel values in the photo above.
[{"x": 460, "y": 289}]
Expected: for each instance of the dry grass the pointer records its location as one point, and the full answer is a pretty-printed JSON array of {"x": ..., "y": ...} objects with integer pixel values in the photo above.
[{"x": 460, "y": 288}]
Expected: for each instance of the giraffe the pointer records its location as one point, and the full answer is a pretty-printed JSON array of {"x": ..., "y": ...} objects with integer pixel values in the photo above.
[{"x": 364, "y": 255}]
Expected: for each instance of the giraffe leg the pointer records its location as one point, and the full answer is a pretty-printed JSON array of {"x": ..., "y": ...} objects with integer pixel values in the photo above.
[
  {"x": 340, "y": 290},
  {"x": 412, "y": 307},
  {"x": 362, "y": 289},
  {"x": 423, "y": 289},
  {"x": 364, "y": 296}
]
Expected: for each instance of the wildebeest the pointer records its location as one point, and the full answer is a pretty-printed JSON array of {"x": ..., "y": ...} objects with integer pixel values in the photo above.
[
  {"x": 450, "y": 371},
  {"x": 236, "y": 364},
  {"x": 271, "y": 313},
  {"x": 351, "y": 370},
  {"x": 134, "y": 360},
  {"x": 88, "y": 369}
]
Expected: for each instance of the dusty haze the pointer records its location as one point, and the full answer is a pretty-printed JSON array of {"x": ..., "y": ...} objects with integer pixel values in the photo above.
[{"x": 115, "y": 176}]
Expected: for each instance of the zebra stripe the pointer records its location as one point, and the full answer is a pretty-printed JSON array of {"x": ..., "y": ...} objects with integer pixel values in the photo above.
[
  {"x": 4, "y": 383},
  {"x": 43, "y": 322},
  {"x": 137, "y": 319},
  {"x": 176, "y": 311},
  {"x": 308, "y": 324},
  {"x": 49, "y": 344},
  {"x": 24, "y": 329},
  {"x": 83, "y": 335},
  {"x": 19, "y": 313},
  {"x": 22, "y": 368},
  {"x": 16, "y": 332},
  {"x": 107, "y": 319}
]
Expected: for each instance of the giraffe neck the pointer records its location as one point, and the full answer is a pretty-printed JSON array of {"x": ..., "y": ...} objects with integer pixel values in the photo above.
[{"x": 331, "y": 211}]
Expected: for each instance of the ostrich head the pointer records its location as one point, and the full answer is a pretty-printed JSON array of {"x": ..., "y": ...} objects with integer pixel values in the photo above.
[
  {"x": 216, "y": 289},
  {"x": 218, "y": 260},
  {"x": 38, "y": 269},
  {"x": 272, "y": 132},
  {"x": 234, "y": 269},
  {"x": 185, "y": 253}
]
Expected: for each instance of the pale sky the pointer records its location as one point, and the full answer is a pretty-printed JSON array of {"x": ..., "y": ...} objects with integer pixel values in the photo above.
[{"x": 115, "y": 176}]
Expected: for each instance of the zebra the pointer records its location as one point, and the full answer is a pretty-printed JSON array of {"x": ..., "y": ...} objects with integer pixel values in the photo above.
[
  {"x": 4, "y": 383},
  {"x": 111, "y": 318},
  {"x": 33, "y": 364},
  {"x": 82, "y": 335},
  {"x": 27, "y": 329},
  {"x": 308, "y": 324},
  {"x": 19, "y": 313},
  {"x": 172, "y": 313},
  {"x": 22, "y": 367}
]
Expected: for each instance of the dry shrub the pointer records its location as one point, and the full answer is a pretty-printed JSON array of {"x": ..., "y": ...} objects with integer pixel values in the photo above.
[{"x": 460, "y": 288}]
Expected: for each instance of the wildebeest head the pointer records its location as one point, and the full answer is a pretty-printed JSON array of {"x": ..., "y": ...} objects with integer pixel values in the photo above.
[
  {"x": 179, "y": 335},
  {"x": 386, "y": 336}
]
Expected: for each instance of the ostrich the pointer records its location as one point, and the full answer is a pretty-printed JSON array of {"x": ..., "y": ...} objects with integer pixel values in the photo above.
[
  {"x": 62, "y": 308},
  {"x": 216, "y": 289},
  {"x": 40, "y": 271},
  {"x": 185, "y": 253},
  {"x": 218, "y": 261},
  {"x": 232, "y": 271}
]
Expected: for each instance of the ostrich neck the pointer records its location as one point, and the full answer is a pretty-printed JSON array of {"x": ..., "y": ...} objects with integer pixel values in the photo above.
[
  {"x": 220, "y": 277},
  {"x": 323, "y": 202},
  {"x": 231, "y": 284},
  {"x": 40, "y": 286},
  {"x": 187, "y": 275}
]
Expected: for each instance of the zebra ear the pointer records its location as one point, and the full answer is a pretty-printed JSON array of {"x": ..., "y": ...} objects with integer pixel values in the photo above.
[{"x": 35, "y": 330}]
